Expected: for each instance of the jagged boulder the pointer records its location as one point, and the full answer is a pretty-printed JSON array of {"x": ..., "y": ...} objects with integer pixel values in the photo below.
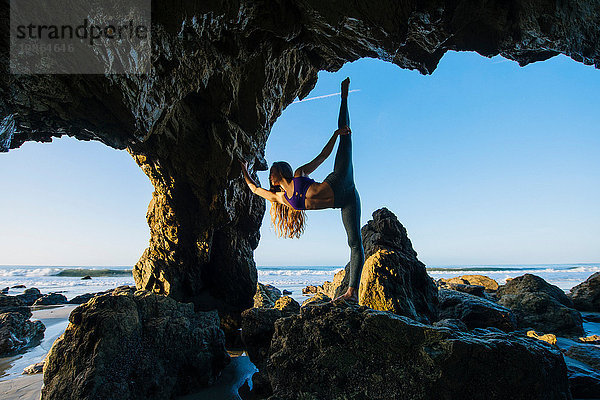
[
  {"x": 29, "y": 296},
  {"x": 14, "y": 304},
  {"x": 287, "y": 305},
  {"x": 266, "y": 295},
  {"x": 258, "y": 326},
  {"x": 134, "y": 345},
  {"x": 338, "y": 285},
  {"x": 541, "y": 306},
  {"x": 18, "y": 333},
  {"x": 586, "y": 295},
  {"x": 586, "y": 353},
  {"x": 354, "y": 352},
  {"x": 84, "y": 298},
  {"x": 476, "y": 290},
  {"x": 584, "y": 382},
  {"x": 50, "y": 299},
  {"x": 475, "y": 311},
  {"x": 392, "y": 278},
  {"x": 317, "y": 299},
  {"x": 488, "y": 283},
  {"x": 452, "y": 323}
]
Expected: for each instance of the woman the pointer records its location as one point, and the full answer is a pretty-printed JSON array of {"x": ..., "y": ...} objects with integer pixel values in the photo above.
[{"x": 336, "y": 191}]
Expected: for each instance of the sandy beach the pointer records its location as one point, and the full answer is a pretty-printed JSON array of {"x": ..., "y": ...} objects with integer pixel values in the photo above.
[{"x": 27, "y": 387}]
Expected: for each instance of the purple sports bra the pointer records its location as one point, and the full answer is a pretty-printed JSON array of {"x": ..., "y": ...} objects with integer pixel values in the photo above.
[{"x": 301, "y": 184}]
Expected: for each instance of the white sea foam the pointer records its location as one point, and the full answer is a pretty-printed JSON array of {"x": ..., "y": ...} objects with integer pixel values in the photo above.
[{"x": 29, "y": 271}]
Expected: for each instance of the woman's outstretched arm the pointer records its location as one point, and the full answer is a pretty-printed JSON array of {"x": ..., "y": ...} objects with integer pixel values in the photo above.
[
  {"x": 308, "y": 168},
  {"x": 266, "y": 194}
]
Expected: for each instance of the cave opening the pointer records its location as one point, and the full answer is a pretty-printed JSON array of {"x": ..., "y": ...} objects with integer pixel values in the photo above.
[
  {"x": 72, "y": 204},
  {"x": 484, "y": 161}
]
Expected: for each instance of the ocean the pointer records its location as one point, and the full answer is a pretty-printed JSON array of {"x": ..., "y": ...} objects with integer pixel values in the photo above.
[{"x": 67, "y": 279}]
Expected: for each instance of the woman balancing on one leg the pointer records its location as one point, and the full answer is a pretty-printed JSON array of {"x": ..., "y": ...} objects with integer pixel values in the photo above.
[{"x": 336, "y": 191}]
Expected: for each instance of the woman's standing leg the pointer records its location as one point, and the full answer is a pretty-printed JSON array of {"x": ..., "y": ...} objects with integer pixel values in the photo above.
[{"x": 351, "y": 219}]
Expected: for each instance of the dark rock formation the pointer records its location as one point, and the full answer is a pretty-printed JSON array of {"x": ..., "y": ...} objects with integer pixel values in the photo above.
[
  {"x": 222, "y": 72},
  {"x": 287, "y": 305},
  {"x": 266, "y": 295},
  {"x": 134, "y": 345},
  {"x": 475, "y": 290},
  {"x": 36, "y": 368},
  {"x": 392, "y": 279},
  {"x": 82, "y": 298},
  {"x": 586, "y": 295},
  {"x": 317, "y": 299},
  {"x": 488, "y": 283},
  {"x": 354, "y": 352},
  {"x": 29, "y": 296},
  {"x": 590, "y": 317},
  {"x": 534, "y": 284},
  {"x": 258, "y": 326},
  {"x": 14, "y": 304},
  {"x": 583, "y": 382},
  {"x": 17, "y": 332},
  {"x": 586, "y": 353},
  {"x": 540, "y": 305},
  {"x": 50, "y": 298},
  {"x": 452, "y": 323},
  {"x": 475, "y": 311},
  {"x": 310, "y": 289}
]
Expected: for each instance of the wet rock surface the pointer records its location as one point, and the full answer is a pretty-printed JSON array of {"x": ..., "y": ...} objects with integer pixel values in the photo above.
[
  {"x": 489, "y": 284},
  {"x": 258, "y": 326},
  {"x": 30, "y": 295},
  {"x": 134, "y": 345},
  {"x": 18, "y": 333},
  {"x": 50, "y": 299},
  {"x": 541, "y": 306},
  {"x": 329, "y": 351},
  {"x": 266, "y": 295},
  {"x": 475, "y": 311},
  {"x": 586, "y": 295},
  {"x": 14, "y": 304}
]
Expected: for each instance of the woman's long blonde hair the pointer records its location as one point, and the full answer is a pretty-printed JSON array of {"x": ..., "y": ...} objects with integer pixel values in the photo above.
[{"x": 288, "y": 222}]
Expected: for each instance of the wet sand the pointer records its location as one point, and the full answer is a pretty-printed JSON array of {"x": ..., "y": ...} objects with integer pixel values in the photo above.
[{"x": 14, "y": 386}]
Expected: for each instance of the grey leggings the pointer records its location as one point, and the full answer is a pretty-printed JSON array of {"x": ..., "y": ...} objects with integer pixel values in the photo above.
[{"x": 346, "y": 197}]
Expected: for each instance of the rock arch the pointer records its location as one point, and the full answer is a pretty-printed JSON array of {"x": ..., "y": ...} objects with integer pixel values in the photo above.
[{"x": 222, "y": 74}]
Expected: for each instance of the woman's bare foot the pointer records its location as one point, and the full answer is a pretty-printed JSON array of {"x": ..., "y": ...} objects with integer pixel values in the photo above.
[
  {"x": 345, "y": 85},
  {"x": 350, "y": 295}
]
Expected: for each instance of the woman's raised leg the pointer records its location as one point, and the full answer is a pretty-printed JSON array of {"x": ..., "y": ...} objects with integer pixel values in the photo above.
[{"x": 343, "y": 158}]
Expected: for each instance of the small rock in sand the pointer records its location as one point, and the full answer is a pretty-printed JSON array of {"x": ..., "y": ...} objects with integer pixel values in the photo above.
[{"x": 36, "y": 368}]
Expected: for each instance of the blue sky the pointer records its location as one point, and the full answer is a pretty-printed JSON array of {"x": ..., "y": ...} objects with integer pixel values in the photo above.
[{"x": 484, "y": 162}]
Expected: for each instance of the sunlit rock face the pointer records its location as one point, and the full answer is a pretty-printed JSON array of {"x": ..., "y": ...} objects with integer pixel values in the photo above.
[{"x": 222, "y": 73}]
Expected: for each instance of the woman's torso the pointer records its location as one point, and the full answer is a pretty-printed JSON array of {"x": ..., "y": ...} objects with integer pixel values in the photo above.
[{"x": 319, "y": 195}]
